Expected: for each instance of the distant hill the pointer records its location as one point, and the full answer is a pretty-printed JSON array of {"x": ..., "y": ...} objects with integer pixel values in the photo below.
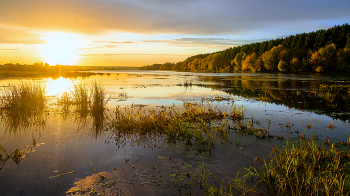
[{"x": 324, "y": 51}]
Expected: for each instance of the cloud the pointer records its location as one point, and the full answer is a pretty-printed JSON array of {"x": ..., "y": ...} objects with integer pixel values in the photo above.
[
  {"x": 204, "y": 42},
  {"x": 125, "y": 42},
  {"x": 19, "y": 36},
  {"x": 115, "y": 54},
  {"x": 99, "y": 47},
  {"x": 191, "y": 17},
  {"x": 9, "y": 49},
  {"x": 107, "y": 44}
]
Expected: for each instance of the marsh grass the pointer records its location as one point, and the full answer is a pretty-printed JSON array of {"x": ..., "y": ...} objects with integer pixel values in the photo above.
[
  {"x": 88, "y": 100},
  {"x": 194, "y": 123},
  {"x": 22, "y": 104},
  {"x": 24, "y": 96},
  {"x": 301, "y": 168},
  {"x": 85, "y": 97}
]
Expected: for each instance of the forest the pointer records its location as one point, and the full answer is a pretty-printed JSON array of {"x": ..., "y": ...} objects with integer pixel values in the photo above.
[{"x": 323, "y": 51}]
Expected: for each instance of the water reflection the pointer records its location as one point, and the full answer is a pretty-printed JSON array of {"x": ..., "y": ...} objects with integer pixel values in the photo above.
[
  {"x": 79, "y": 141},
  {"x": 16, "y": 156},
  {"x": 22, "y": 105},
  {"x": 15, "y": 121},
  {"x": 58, "y": 86},
  {"x": 93, "y": 122},
  {"x": 313, "y": 94}
]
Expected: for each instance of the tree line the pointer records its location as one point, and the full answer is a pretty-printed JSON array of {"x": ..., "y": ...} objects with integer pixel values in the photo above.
[{"x": 321, "y": 51}]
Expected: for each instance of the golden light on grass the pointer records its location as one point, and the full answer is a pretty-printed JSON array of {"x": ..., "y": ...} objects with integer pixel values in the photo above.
[
  {"x": 61, "y": 48},
  {"x": 58, "y": 86}
]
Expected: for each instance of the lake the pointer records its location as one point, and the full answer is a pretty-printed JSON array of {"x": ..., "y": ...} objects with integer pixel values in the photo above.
[{"x": 86, "y": 150}]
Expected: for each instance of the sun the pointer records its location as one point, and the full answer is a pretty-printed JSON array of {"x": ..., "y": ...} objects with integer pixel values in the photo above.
[{"x": 61, "y": 48}]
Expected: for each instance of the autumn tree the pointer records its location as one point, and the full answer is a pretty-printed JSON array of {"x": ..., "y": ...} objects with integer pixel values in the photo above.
[
  {"x": 295, "y": 64},
  {"x": 249, "y": 62},
  {"x": 324, "y": 59},
  {"x": 238, "y": 62},
  {"x": 343, "y": 59},
  {"x": 259, "y": 65},
  {"x": 282, "y": 66},
  {"x": 194, "y": 64},
  {"x": 271, "y": 58}
]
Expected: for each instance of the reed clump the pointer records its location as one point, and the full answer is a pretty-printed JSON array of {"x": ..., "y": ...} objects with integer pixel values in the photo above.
[
  {"x": 85, "y": 97},
  {"x": 22, "y": 104},
  {"x": 302, "y": 168},
  {"x": 194, "y": 123},
  {"x": 24, "y": 96}
]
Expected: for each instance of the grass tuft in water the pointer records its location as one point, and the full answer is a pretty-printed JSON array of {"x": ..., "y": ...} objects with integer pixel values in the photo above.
[
  {"x": 88, "y": 99},
  {"x": 22, "y": 104},
  {"x": 85, "y": 97},
  {"x": 302, "y": 168},
  {"x": 195, "y": 123},
  {"x": 24, "y": 96}
]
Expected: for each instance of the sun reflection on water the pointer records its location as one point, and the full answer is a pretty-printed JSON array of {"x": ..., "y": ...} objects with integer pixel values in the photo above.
[{"x": 58, "y": 86}]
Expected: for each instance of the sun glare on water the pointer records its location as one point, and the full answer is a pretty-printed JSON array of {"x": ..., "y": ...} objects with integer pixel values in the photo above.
[
  {"x": 61, "y": 48},
  {"x": 58, "y": 86}
]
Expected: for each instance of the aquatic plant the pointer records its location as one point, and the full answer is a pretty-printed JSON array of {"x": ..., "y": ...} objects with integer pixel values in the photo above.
[
  {"x": 85, "y": 97},
  {"x": 122, "y": 95},
  {"x": 24, "y": 96},
  {"x": 187, "y": 83},
  {"x": 81, "y": 96},
  {"x": 22, "y": 104},
  {"x": 195, "y": 123},
  {"x": 248, "y": 128},
  {"x": 98, "y": 96},
  {"x": 225, "y": 188},
  {"x": 303, "y": 168}
]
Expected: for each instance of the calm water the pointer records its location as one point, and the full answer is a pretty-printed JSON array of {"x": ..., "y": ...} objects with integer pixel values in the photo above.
[{"x": 66, "y": 142}]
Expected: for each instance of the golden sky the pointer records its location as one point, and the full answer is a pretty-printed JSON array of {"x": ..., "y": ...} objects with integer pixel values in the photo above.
[{"x": 143, "y": 32}]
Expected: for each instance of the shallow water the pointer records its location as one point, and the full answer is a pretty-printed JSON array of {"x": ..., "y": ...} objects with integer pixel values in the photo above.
[{"x": 66, "y": 142}]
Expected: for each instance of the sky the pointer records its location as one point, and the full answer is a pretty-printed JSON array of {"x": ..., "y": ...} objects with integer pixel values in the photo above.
[{"x": 144, "y": 32}]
